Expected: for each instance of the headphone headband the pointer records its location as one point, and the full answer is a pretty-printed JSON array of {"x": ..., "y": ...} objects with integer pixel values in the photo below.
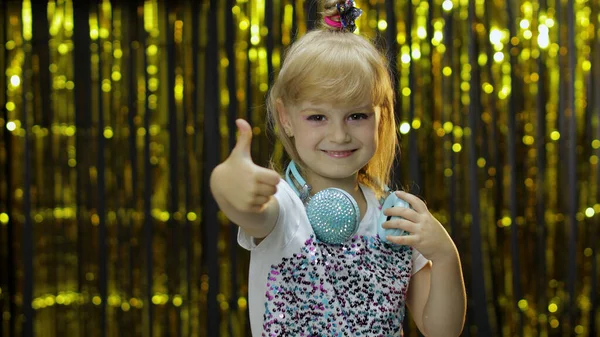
[
  {"x": 304, "y": 193},
  {"x": 302, "y": 189}
]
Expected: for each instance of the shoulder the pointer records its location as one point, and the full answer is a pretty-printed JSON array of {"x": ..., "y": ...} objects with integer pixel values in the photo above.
[{"x": 369, "y": 194}]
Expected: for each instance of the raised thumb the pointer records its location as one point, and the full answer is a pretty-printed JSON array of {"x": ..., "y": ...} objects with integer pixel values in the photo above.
[{"x": 244, "y": 139}]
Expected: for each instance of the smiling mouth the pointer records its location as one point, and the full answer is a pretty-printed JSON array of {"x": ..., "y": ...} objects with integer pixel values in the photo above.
[{"x": 339, "y": 154}]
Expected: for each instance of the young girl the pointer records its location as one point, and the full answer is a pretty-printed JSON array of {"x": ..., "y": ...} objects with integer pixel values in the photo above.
[{"x": 318, "y": 265}]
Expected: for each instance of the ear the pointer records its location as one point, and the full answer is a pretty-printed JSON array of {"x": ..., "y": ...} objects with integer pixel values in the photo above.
[{"x": 284, "y": 118}]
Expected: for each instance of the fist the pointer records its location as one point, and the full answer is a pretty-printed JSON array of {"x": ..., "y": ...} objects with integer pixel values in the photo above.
[
  {"x": 425, "y": 232},
  {"x": 244, "y": 185}
]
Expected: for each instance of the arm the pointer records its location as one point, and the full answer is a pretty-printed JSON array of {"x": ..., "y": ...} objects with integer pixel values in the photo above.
[
  {"x": 436, "y": 294},
  {"x": 436, "y": 297},
  {"x": 243, "y": 190}
]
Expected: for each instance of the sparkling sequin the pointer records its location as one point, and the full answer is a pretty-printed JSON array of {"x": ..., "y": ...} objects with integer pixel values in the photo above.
[
  {"x": 334, "y": 215},
  {"x": 357, "y": 288}
]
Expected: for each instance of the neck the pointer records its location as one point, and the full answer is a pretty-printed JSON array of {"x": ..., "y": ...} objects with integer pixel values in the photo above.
[{"x": 349, "y": 184}]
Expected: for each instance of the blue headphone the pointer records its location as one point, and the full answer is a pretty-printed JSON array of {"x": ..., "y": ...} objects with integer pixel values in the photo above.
[{"x": 333, "y": 213}]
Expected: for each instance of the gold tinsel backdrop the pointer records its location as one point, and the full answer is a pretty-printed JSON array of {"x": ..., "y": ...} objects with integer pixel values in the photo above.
[{"x": 114, "y": 113}]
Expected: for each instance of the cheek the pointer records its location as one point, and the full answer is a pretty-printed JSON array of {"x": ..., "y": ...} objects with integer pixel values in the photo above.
[
  {"x": 302, "y": 140},
  {"x": 308, "y": 134},
  {"x": 369, "y": 133}
]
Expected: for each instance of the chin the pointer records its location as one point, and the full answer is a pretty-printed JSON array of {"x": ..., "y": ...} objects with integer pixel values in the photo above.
[
  {"x": 335, "y": 168},
  {"x": 337, "y": 172}
]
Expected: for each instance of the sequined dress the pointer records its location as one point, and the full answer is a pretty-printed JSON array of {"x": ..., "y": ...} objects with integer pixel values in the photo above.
[{"x": 299, "y": 286}]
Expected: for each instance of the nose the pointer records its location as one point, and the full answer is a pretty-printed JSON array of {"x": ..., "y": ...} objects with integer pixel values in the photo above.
[{"x": 338, "y": 133}]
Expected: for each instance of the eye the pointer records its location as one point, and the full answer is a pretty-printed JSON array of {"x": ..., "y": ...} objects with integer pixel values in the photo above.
[
  {"x": 359, "y": 116},
  {"x": 316, "y": 118}
]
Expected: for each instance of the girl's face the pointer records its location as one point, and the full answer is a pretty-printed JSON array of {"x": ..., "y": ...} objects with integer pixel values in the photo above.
[{"x": 333, "y": 141}]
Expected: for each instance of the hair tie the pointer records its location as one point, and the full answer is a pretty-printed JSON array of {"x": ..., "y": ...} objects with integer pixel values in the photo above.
[
  {"x": 347, "y": 15},
  {"x": 333, "y": 23}
]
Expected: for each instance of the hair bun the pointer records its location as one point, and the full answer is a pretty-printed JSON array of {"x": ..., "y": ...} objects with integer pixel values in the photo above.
[
  {"x": 340, "y": 15},
  {"x": 330, "y": 7}
]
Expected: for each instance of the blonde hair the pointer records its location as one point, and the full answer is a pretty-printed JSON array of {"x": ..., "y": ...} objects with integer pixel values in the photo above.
[{"x": 326, "y": 65}]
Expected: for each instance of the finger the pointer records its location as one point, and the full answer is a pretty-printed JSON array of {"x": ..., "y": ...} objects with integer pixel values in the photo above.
[
  {"x": 403, "y": 224},
  {"x": 405, "y": 240},
  {"x": 267, "y": 176},
  {"x": 258, "y": 208},
  {"x": 242, "y": 147},
  {"x": 406, "y": 213},
  {"x": 261, "y": 204},
  {"x": 259, "y": 200},
  {"x": 416, "y": 202},
  {"x": 266, "y": 190}
]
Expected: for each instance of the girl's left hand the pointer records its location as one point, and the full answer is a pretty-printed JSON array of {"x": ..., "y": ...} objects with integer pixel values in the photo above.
[{"x": 426, "y": 233}]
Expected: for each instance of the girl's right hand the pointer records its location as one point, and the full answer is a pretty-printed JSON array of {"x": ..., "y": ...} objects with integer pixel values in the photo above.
[{"x": 247, "y": 187}]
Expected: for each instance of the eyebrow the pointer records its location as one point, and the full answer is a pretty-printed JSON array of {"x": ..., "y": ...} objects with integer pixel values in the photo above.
[{"x": 364, "y": 108}]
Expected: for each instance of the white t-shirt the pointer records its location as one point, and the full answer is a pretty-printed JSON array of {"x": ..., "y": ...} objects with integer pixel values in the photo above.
[{"x": 299, "y": 286}]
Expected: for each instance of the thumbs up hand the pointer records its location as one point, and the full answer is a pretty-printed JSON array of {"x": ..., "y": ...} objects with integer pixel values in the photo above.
[
  {"x": 242, "y": 148},
  {"x": 247, "y": 187}
]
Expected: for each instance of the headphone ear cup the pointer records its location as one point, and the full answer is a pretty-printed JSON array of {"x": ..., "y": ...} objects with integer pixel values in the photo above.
[
  {"x": 391, "y": 201},
  {"x": 334, "y": 215}
]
